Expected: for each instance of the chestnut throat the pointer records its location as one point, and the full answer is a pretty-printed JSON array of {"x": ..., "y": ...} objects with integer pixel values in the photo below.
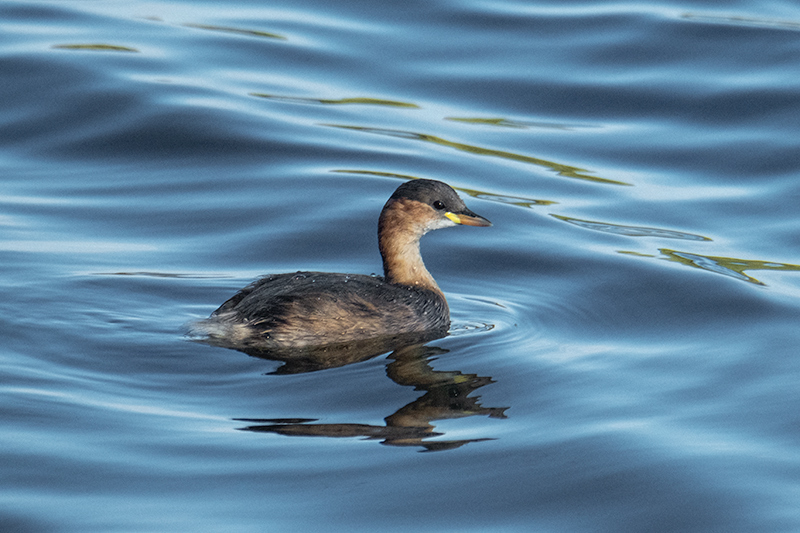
[{"x": 398, "y": 239}]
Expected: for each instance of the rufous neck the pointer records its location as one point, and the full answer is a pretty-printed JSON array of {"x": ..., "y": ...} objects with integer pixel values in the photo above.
[{"x": 398, "y": 239}]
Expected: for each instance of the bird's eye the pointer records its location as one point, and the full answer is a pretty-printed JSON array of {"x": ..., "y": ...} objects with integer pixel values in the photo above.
[{"x": 438, "y": 205}]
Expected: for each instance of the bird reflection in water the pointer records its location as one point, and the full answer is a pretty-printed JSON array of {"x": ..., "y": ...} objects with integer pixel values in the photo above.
[{"x": 447, "y": 393}]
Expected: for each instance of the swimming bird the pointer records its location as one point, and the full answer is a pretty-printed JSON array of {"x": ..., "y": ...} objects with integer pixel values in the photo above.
[{"x": 312, "y": 309}]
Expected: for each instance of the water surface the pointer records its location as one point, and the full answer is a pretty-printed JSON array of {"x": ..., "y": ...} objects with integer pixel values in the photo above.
[{"x": 623, "y": 355}]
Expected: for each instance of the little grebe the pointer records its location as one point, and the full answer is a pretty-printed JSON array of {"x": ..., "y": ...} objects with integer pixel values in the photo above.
[{"x": 318, "y": 308}]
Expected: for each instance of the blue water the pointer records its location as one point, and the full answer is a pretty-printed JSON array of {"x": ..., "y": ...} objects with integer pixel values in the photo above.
[{"x": 623, "y": 354}]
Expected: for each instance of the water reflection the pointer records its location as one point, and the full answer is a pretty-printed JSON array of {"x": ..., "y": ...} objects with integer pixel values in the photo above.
[
  {"x": 447, "y": 396},
  {"x": 405, "y": 177},
  {"x": 631, "y": 231},
  {"x": 95, "y": 47},
  {"x": 518, "y": 201},
  {"x": 517, "y": 124},
  {"x": 239, "y": 31},
  {"x": 315, "y": 358},
  {"x": 562, "y": 170},
  {"x": 743, "y": 21},
  {"x": 727, "y": 266},
  {"x": 359, "y": 100}
]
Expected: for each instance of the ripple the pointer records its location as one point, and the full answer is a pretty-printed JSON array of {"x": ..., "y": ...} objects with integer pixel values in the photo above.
[
  {"x": 173, "y": 275},
  {"x": 517, "y": 124},
  {"x": 631, "y": 231},
  {"x": 95, "y": 47},
  {"x": 519, "y": 316},
  {"x": 76, "y": 246},
  {"x": 239, "y": 31},
  {"x": 727, "y": 266},
  {"x": 744, "y": 21},
  {"x": 518, "y": 201},
  {"x": 340, "y": 101},
  {"x": 377, "y": 173},
  {"x": 143, "y": 159},
  {"x": 465, "y": 328},
  {"x": 560, "y": 169}
]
